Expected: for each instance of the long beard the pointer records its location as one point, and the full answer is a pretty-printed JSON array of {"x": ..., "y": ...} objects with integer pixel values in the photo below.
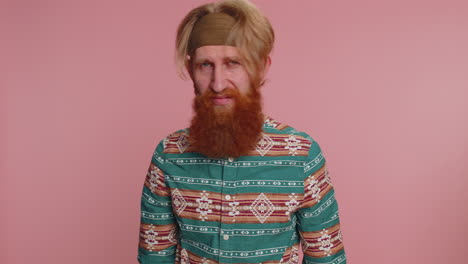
[{"x": 222, "y": 131}]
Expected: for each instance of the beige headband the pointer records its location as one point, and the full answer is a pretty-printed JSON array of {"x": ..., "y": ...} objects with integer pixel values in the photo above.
[{"x": 211, "y": 29}]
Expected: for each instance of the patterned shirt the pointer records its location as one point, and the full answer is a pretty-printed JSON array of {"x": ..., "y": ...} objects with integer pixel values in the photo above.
[{"x": 258, "y": 208}]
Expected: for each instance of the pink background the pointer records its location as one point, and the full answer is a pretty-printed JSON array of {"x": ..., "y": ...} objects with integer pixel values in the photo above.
[{"x": 88, "y": 88}]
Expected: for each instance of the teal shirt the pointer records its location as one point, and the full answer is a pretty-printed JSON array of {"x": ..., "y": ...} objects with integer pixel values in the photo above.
[{"x": 258, "y": 208}]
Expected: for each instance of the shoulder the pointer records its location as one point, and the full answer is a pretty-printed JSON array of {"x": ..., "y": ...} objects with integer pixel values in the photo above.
[
  {"x": 173, "y": 143},
  {"x": 296, "y": 140},
  {"x": 274, "y": 126},
  {"x": 291, "y": 134}
]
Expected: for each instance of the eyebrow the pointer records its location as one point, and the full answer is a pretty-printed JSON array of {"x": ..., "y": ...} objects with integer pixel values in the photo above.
[{"x": 227, "y": 58}]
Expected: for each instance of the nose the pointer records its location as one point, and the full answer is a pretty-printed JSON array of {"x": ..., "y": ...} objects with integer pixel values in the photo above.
[{"x": 218, "y": 82}]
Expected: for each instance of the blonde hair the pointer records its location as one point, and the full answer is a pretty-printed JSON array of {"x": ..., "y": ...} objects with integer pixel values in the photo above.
[{"x": 252, "y": 34}]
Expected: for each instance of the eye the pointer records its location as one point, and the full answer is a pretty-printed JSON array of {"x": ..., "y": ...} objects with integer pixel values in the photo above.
[
  {"x": 233, "y": 62},
  {"x": 204, "y": 64}
]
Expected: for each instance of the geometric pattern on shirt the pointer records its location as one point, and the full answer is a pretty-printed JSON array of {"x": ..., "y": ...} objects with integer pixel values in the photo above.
[
  {"x": 157, "y": 237},
  {"x": 155, "y": 180},
  {"x": 294, "y": 144},
  {"x": 209, "y": 248},
  {"x": 314, "y": 162},
  {"x": 227, "y": 163},
  {"x": 182, "y": 142},
  {"x": 270, "y": 122},
  {"x": 317, "y": 185},
  {"x": 236, "y": 232},
  {"x": 235, "y": 253},
  {"x": 262, "y": 207},
  {"x": 156, "y": 216},
  {"x": 264, "y": 144},
  {"x": 204, "y": 205},
  {"x": 241, "y": 208},
  {"x": 317, "y": 211},
  {"x": 184, "y": 257},
  {"x": 178, "y": 201},
  {"x": 271, "y": 144},
  {"x": 322, "y": 243},
  {"x": 290, "y": 256},
  {"x": 233, "y": 184},
  {"x": 149, "y": 198}
]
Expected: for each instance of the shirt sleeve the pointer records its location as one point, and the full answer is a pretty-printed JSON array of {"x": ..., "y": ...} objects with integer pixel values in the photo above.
[
  {"x": 318, "y": 219},
  {"x": 158, "y": 227}
]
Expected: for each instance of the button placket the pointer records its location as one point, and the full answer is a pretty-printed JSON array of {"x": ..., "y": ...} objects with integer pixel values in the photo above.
[{"x": 228, "y": 177}]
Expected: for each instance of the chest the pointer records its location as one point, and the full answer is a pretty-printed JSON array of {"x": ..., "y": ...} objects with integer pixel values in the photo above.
[{"x": 234, "y": 192}]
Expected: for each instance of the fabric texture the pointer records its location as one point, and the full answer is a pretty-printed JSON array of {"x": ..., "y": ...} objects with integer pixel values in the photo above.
[{"x": 258, "y": 208}]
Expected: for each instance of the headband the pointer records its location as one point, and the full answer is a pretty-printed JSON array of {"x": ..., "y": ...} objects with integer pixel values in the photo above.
[{"x": 211, "y": 29}]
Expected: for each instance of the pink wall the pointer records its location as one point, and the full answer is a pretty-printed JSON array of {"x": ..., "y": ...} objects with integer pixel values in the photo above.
[{"x": 88, "y": 88}]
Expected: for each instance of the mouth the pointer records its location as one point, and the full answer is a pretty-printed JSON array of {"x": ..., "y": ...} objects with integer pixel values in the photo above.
[{"x": 221, "y": 100}]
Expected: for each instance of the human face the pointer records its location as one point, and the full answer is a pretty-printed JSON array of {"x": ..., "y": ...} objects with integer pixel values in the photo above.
[{"x": 217, "y": 68}]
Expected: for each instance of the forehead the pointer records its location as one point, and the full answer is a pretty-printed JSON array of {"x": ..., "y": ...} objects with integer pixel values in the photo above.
[{"x": 216, "y": 52}]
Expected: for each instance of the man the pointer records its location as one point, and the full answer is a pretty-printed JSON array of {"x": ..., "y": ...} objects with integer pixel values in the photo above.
[{"x": 237, "y": 186}]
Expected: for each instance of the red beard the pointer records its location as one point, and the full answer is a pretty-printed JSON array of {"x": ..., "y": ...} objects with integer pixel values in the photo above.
[{"x": 221, "y": 131}]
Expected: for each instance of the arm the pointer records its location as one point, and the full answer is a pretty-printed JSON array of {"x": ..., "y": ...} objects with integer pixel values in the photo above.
[
  {"x": 158, "y": 228},
  {"x": 318, "y": 219}
]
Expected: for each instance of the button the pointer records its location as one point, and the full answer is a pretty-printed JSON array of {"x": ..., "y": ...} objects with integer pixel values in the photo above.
[
  {"x": 225, "y": 237},
  {"x": 230, "y": 159},
  {"x": 228, "y": 197}
]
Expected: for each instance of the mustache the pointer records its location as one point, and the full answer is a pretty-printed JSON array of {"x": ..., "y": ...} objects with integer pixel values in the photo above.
[{"x": 228, "y": 92}]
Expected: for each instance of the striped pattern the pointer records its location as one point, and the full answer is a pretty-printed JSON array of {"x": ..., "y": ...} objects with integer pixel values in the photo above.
[
  {"x": 291, "y": 256},
  {"x": 325, "y": 242},
  {"x": 157, "y": 237},
  {"x": 317, "y": 185},
  {"x": 155, "y": 181},
  {"x": 270, "y": 144},
  {"x": 270, "y": 122},
  {"x": 241, "y": 208}
]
